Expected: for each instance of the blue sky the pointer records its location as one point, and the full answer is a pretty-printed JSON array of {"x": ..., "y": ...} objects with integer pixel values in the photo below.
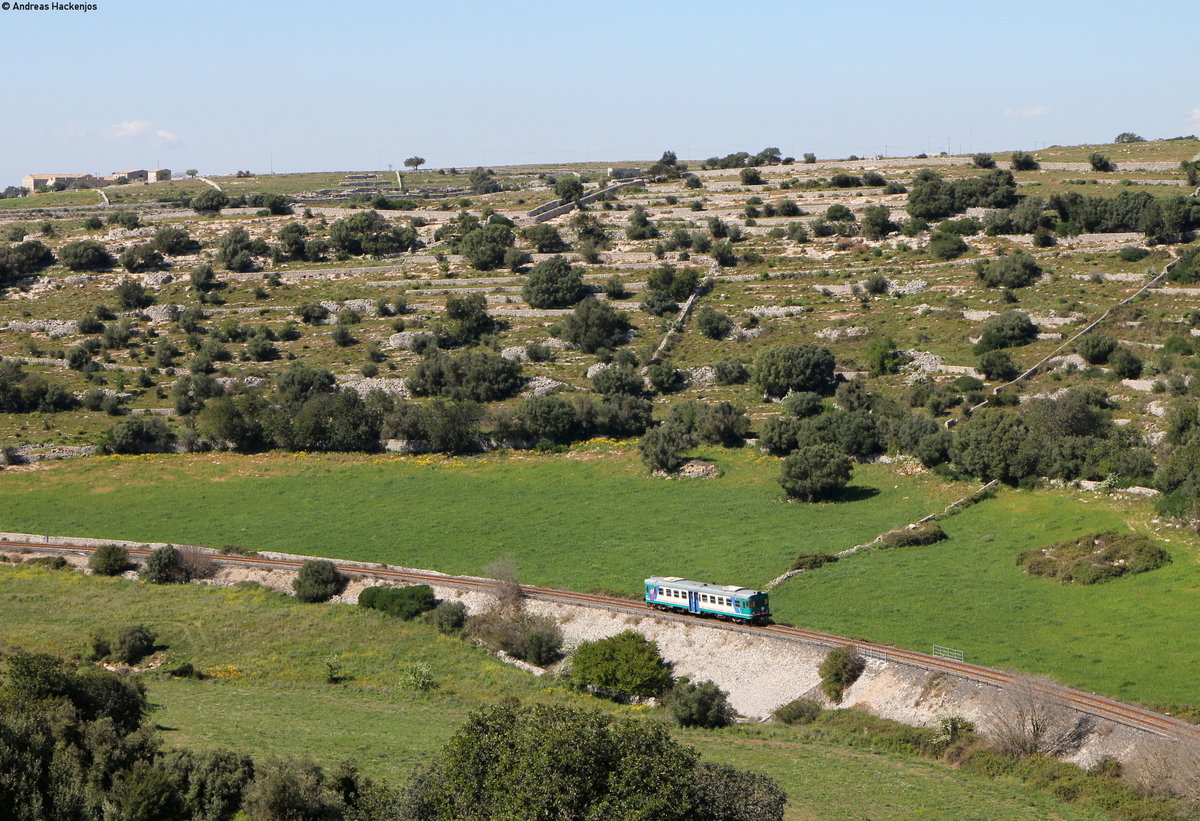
[{"x": 360, "y": 84}]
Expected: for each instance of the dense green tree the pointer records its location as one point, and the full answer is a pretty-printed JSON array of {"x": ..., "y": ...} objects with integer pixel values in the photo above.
[
  {"x": 173, "y": 240},
  {"x": 997, "y": 366},
  {"x": 779, "y": 369},
  {"x": 165, "y": 565},
  {"x": 1096, "y": 348},
  {"x": 568, "y": 188},
  {"x": 480, "y": 375},
  {"x": 712, "y": 323},
  {"x": 594, "y": 324},
  {"x": 137, "y": 434},
  {"x": 209, "y": 201},
  {"x": 317, "y": 581},
  {"x": 662, "y": 447},
  {"x": 814, "y": 472},
  {"x": 627, "y": 663},
  {"x": 1024, "y": 161},
  {"x": 1010, "y": 329},
  {"x": 544, "y": 238},
  {"x": 85, "y": 255},
  {"x": 287, "y": 790},
  {"x": 553, "y": 283},
  {"x": 484, "y": 247},
  {"x": 23, "y": 259},
  {"x": 700, "y": 704},
  {"x": 369, "y": 233},
  {"x": 1010, "y": 271},
  {"x": 987, "y": 445}
]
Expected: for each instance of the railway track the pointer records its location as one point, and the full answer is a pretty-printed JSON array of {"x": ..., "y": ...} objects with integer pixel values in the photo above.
[{"x": 1087, "y": 703}]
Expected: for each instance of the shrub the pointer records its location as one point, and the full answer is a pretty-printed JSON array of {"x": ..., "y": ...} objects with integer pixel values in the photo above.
[
  {"x": 712, "y": 323},
  {"x": 209, "y": 201},
  {"x": 139, "y": 258},
  {"x": 133, "y": 644},
  {"x": 138, "y": 434},
  {"x": 997, "y": 366},
  {"x": 49, "y": 562},
  {"x": 317, "y": 581},
  {"x": 840, "y": 669},
  {"x": 803, "y": 404},
  {"x": 779, "y": 369},
  {"x": 479, "y": 375},
  {"x": 401, "y": 602},
  {"x": 1096, "y": 348},
  {"x": 983, "y": 161},
  {"x": 750, "y": 176},
  {"x": 1096, "y": 557},
  {"x": 553, "y": 283},
  {"x": 664, "y": 377},
  {"x": 730, "y": 372},
  {"x": 626, "y": 663},
  {"x": 170, "y": 239},
  {"x": 923, "y": 534},
  {"x": 703, "y": 704},
  {"x": 543, "y": 645},
  {"x": 23, "y": 259},
  {"x": 1131, "y": 253},
  {"x": 1100, "y": 162},
  {"x": 944, "y": 246},
  {"x": 85, "y": 255},
  {"x": 1125, "y": 363},
  {"x": 811, "y": 561},
  {"x": 594, "y": 325},
  {"x": 164, "y": 566},
  {"x": 449, "y": 616},
  {"x": 1024, "y": 161},
  {"x": 1010, "y": 271},
  {"x": 1007, "y": 330},
  {"x": 814, "y": 471},
  {"x": 132, "y": 295},
  {"x": 662, "y": 447},
  {"x": 799, "y": 711},
  {"x": 109, "y": 560}
]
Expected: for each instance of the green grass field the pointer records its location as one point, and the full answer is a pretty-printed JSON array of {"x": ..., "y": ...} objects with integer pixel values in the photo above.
[
  {"x": 595, "y": 521},
  {"x": 599, "y": 522},
  {"x": 281, "y": 705}
]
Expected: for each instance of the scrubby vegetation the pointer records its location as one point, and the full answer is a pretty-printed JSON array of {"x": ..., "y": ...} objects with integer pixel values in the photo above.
[{"x": 1094, "y": 558}]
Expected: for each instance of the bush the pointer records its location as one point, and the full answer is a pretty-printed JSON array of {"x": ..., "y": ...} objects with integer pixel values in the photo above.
[
  {"x": 1010, "y": 329},
  {"x": 983, "y": 161},
  {"x": 318, "y": 581},
  {"x": 1024, "y": 161},
  {"x": 779, "y": 369},
  {"x": 138, "y": 258},
  {"x": 730, "y": 372},
  {"x": 840, "y": 669},
  {"x": 594, "y": 325},
  {"x": 401, "y": 602},
  {"x": 138, "y": 434},
  {"x": 944, "y": 246},
  {"x": 662, "y": 447},
  {"x": 750, "y": 176},
  {"x": 170, "y": 239},
  {"x": 543, "y": 645},
  {"x": 109, "y": 560},
  {"x": 209, "y": 201},
  {"x": 1011, "y": 271},
  {"x": 803, "y": 404},
  {"x": 1096, "y": 557},
  {"x": 1096, "y": 348},
  {"x": 1125, "y": 363},
  {"x": 133, "y": 644},
  {"x": 811, "y": 561},
  {"x": 1131, "y": 253},
  {"x": 165, "y": 566},
  {"x": 626, "y": 663},
  {"x": 712, "y": 323},
  {"x": 923, "y": 534},
  {"x": 132, "y": 295},
  {"x": 85, "y": 255},
  {"x": 814, "y": 472},
  {"x": 1100, "y": 162},
  {"x": 553, "y": 283},
  {"x": 997, "y": 366},
  {"x": 449, "y": 616},
  {"x": 700, "y": 705},
  {"x": 479, "y": 375},
  {"x": 799, "y": 711}
]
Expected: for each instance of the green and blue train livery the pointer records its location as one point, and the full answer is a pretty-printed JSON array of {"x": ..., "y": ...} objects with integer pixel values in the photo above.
[{"x": 702, "y": 599}]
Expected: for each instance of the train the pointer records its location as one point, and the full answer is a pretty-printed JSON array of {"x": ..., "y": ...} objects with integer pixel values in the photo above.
[{"x": 728, "y": 602}]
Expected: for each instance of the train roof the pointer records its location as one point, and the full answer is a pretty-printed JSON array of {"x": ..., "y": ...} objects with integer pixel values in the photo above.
[{"x": 701, "y": 587}]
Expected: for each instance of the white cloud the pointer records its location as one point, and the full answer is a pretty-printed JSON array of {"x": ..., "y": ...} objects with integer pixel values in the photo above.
[
  {"x": 1027, "y": 111},
  {"x": 142, "y": 131},
  {"x": 1194, "y": 116}
]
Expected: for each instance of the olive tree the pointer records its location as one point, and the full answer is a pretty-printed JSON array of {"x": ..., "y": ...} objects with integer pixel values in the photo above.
[
  {"x": 553, "y": 283},
  {"x": 815, "y": 471},
  {"x": 779, "y": 369}
]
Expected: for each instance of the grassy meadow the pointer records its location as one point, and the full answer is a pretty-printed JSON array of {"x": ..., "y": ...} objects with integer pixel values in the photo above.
[
  {"x": 599, "y": 522},
  {"x": 274, "y": 699}
]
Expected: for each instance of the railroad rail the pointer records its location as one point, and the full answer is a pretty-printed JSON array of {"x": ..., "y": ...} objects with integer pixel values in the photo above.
[{"x": 1087, "y": 703}]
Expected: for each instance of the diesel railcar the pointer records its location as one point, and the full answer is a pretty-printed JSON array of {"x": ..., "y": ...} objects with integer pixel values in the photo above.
[{"x": 728, "y": 602}]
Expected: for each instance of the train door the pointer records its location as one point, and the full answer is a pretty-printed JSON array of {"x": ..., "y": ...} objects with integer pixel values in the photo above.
[{"x": 693, "y": 602}]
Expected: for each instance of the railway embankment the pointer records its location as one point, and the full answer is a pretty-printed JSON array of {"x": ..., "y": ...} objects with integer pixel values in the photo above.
[{"x": 761, "y": 668}]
